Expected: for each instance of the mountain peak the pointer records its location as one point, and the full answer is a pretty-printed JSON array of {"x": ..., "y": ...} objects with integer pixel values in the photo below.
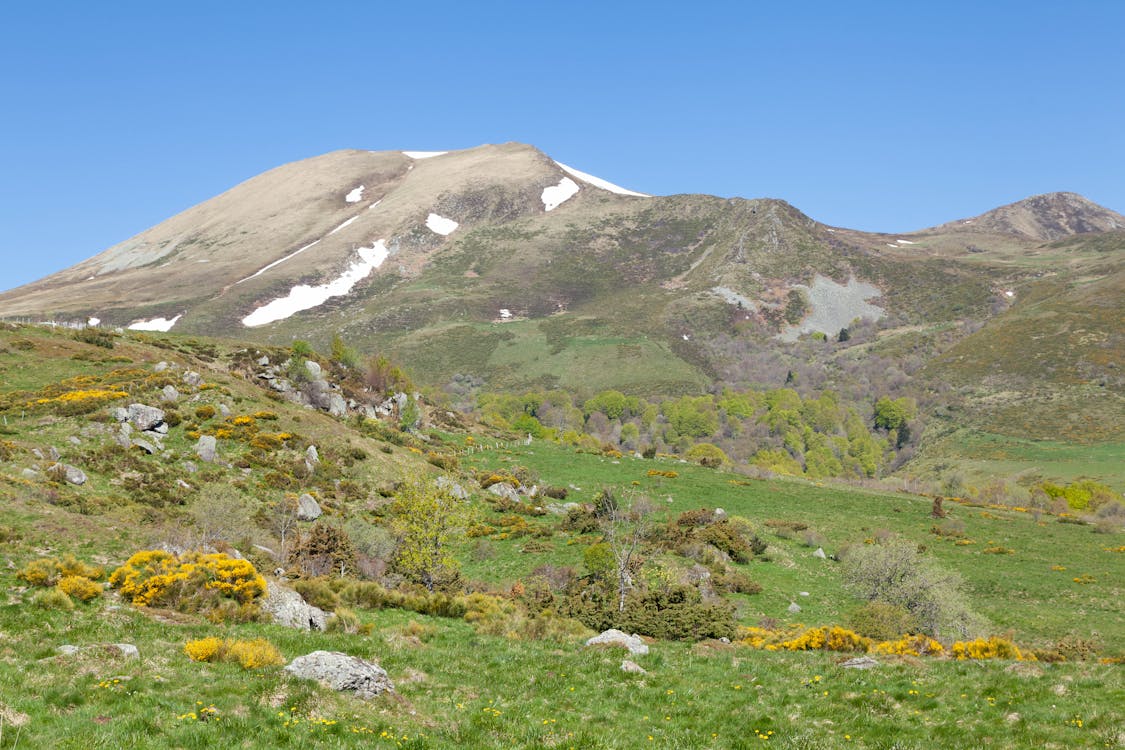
[{"x": 1050, "y": 216}]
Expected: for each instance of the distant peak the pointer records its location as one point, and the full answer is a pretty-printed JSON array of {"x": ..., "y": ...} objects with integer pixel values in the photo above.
[{"x": 1050, "y": 216}]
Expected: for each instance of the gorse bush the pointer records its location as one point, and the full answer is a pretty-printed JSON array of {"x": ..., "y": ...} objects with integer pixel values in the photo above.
[
  {"x": 191, "y": 582},
  {"x": 80, "y": 587},
  {"x": 249, "y": 654},
  {"x": 46, "y": 571},
  {"x": 882, "y": 621}
]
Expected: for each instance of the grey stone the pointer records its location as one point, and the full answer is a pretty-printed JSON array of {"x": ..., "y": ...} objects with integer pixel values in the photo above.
[
  {"x": 506, "y": 491},
  {"x": 192, "y": 379},
  {"x": 182, "y": 484},
  {"x": 860, "y": 662},
  {"x": 313, "y": 369},
  {"x": 337, "y": 407},
  {"x": 122, "y": 438},
  {"x": 617, "y": 639},
  {"x": 455, "y": 490},
  {"x": 170, "y": 394},
  {"x": 72, "y": 474},
  {"x": 287, "y": 608},
  {"x": 29, "y": 474},
  {"x": 794, "y": 607},
  {"x": 802, "y": 593},
  {"x": 820, "y": 553},
  {"x": 53, "y": 452},
  {"x": 342, "y": 672},
  {"x": 160, "y": 367},
  {"x": 190, "y": 467},
  {"x": 160, "y": 429},
  {"x": 145, "y": 417},
  {"x": 263, "y": 361},
  {"x": 206, "y": 448},
  {"x": 224, "y": 411},
  {"x": 37, "y": 453},
  {"x": 68, "y": 650},
  {"x": 308, "y": 509},
  {"x": 144, "y": 445},
  {"x": 632, "y": 667},
  {"x": 311, "y": 455},
  {"x": 719, "y": 514},
  {"x": 126, "y": 650},
  {"x": 74, "y": 440},
  {"x": 121, "y": 414}
]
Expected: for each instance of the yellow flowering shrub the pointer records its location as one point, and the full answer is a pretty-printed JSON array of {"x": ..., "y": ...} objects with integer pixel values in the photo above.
[
  {"x": 80, "y": 587},
  {"x": 152, "y": 577},
  {"x": 250, "y": 654},
  {"x": 242, "y": 420},
  {"x": 990, "y": 648},
  {"x": 204, "y": 649},
  {"x": 46, "y": 571},
  {"x": 909, "y": 645}
]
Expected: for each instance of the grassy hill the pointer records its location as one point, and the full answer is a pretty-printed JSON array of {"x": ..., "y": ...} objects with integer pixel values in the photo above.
[{"x": 508, "y": 675}]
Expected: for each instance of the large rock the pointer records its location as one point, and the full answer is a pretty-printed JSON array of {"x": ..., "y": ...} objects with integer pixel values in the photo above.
[
  {"x": 287, "y": 608},
  {"x": 71, "y": 474},
  {"x": 455, "y": 490},
  {"x": 308, "y": 509},
  {"x": 206, "y": 448},
  {"x": 506, "y": 491},
  {"x": 170, "y": 394},
  {"x": 337, "y": 406},
  {"x": 314, "y": 370},
  {"x": 145, "y": 417},
  {"x": 340, "y": 671},
  {"x": 192, "y": 379},
  {"x": 616, "y": 638}
]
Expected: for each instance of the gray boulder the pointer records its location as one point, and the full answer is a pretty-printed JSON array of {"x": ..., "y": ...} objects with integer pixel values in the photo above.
[
  {"x": 617, "y": 639},
  {"x": 144, "y": 445},
  {"x": 794, "y": 608},
  {"x": 506, "y": 491},
  {"x": 71, "y": 474},
  {"x": 308, "y": 509},
  {"x": 160, "y": 367},
  {"x": 170, "y": 394},
  {"x": 206, "y": 448},
  {"x": 337, "y": 406},
  {"x": 340, "y": 671},
  {"x": 145, "y": 417},
  {"x": 820, "y": 553},
  {"x": 860, "y": 662},
  {"x": 288, "y": 609},
  {"x": 192, "y": 379},
  {"x": 224, "y": 411},
  {"x": 29, "y": 474},
  {"x": 455, "y": 490},
  {"x": 632, "y": 667},
  {"x": 314, "y": 370},
  {"x": 121, "y": 414}
]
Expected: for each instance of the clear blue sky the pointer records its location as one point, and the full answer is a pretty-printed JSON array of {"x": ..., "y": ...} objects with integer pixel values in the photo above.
[{"x": 885, "y": 116}]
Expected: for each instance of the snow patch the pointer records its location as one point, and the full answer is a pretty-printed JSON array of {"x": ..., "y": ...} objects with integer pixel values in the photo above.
[
  {"x": 423, "y": 154},
  {"x": 304, "y": 297},
  {"x": 441, "y": 225},
  {"x": 555, "y": 195},
  {"x": 355, "y": 196},
  {"x": 1008, "y": 293},
  {"x": 93, "y": 321},
  {"x": 376, "y": 203},
  {"x": 279, "y": 261},
  {"x": 505, "y": 313},
  {"x": 890, "y": 245},
  {"x": 905, "y": 242},
  {"x": 599, "y": 182},
  {"x": 337, "y": 229},
  {"x": 156, "y": 324}
]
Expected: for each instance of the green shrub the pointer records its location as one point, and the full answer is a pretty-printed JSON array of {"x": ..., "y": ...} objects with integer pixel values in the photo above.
[
  {"x": 318, "y": 593},
  {"x": 53, "y": 598},
  {"x": 882, "y": 621}
]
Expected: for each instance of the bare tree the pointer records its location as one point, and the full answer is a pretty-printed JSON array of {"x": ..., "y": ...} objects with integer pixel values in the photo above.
[{"x": 624, "y": 530}]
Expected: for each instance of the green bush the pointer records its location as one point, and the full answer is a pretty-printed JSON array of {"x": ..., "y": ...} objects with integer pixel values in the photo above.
[
  {"x": 53, "y": 598},
  {"x": 881, "y": 621},
  {"x": 318, "y": 593}
]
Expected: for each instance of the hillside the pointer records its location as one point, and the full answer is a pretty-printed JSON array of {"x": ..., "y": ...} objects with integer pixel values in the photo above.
[
  {"x": 498, "y": 269},
  {"x": 502, "y": 666}
]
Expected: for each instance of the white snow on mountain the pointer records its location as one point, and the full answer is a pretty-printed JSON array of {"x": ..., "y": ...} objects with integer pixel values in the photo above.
[
  {"x": 279, "y": 261},
  {"x": 555, "y": 195},
  {"x": 423, "y": 154},
  {"x": 440, "y": 224},
  {"x": 599, "y": 182},
  {"x": 156, "y": 324},
  {"x": 337, "y": 229},
  {"x": 304, "y": 297},
  {"x": 355, "y": 196}
]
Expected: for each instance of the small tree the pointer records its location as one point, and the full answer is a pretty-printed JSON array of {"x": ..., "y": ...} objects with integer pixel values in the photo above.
[
  {"x": 280, "y": 519},
  {"x": 895, "y": 573},
  {"x": 624, "y": 529},
  {"x": 327, "y": 548},
  {"x": 425, "y": 518}
]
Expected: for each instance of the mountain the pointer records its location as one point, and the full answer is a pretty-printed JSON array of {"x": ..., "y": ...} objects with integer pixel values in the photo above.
[{"x": 1052, "y": 216}]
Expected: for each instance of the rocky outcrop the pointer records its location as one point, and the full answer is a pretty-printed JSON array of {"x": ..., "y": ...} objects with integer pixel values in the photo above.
[
  {"x": 308, "y": 509},
  {"x": 287, "y": 608},
  {"x": 206, "y": 448},
  {"x": 616, "y": 639},
  {"x": 144, "y": 417},
  {"x": 342, "y": 672}
]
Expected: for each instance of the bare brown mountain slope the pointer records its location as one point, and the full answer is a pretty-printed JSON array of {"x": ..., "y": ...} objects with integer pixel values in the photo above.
[{"x": 1047, "y": 217}]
